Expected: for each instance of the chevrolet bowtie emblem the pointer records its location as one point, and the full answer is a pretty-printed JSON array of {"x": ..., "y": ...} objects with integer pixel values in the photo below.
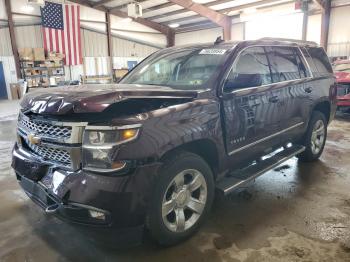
[{"x": 33, "y": 139}]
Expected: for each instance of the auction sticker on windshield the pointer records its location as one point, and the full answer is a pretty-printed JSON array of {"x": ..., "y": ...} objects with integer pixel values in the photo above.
[{"x": 212, "y": 51}]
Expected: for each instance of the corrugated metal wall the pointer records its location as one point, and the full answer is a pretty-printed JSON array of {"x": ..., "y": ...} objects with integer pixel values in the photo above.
[
  {"x": 125, "y": 48},
  {"x": 5, "y": 42},
  {"x": 29, "y": 36},
  {"x": 339, "y": 33},
  {"x": 94, "y": 44}
]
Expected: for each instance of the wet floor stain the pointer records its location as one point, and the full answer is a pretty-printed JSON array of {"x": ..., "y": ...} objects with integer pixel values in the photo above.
[{"x": 296, "y": 212}]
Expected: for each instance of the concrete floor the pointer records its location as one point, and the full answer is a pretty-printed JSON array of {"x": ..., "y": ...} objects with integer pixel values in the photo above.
[{"x": 298, "y": 212}]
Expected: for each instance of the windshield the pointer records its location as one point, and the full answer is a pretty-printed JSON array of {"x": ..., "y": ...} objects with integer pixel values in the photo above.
[
  {"x": 342, "y": 68},
  {"x": 182, "y": 69}
]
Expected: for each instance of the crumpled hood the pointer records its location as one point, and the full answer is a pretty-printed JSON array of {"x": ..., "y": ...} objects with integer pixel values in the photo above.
[{"x": 93, "y": 98}]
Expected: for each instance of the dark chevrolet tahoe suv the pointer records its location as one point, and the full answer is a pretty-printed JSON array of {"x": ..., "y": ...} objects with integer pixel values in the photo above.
[{"x": 185, "y": 123}]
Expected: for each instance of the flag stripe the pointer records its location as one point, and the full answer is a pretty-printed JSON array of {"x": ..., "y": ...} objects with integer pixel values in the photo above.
[
  {"x": 44, "y": 36},
  {"x": 63, "y": 45},
  {"x": 61, "y": 31},
  {"x": 50, "y": 38},
  {"x": 53, "y": 34},
  {"x": 68, "y": 35},
  {"x": 74, "y": 39},
  {"x": 79, "y": 37},
  {"x": 65, "y": 38}
]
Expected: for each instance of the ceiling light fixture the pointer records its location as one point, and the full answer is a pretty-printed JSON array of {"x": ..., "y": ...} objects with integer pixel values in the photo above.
[{"x": 174, "y": 25}]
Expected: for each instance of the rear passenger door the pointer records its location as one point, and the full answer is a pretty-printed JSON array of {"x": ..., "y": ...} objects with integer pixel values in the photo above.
[
  {"x": 291, "y": 90},
  {"x": 250, "y": 118}
]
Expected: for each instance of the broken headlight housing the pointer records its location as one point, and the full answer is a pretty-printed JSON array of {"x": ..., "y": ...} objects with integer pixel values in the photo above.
[{"x": 99, "y": 153}]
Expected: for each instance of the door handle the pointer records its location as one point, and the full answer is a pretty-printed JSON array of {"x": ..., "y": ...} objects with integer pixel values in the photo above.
[
  {"x": 273, "y": 99},
  {"x": 308, "y": 89}
]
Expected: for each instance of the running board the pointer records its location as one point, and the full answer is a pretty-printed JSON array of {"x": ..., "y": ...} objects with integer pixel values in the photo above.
[{"x": 240, "y": 177}]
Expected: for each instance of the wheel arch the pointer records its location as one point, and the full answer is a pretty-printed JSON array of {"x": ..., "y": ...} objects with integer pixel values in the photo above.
[
  {"x": 205, "y": 148},
  {"x": 323, "y": 107}
]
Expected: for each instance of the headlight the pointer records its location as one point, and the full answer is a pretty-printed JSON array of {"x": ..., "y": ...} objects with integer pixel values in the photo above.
[
  {"x": 108, "y": 138},
  {"x": 99, "y": 144}
]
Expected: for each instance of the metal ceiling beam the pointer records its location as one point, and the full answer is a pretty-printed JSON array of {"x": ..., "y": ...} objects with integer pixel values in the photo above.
[
  {"x": 157, "y": 7},
  {"x": 204, "y": 23},
  {"x": 220, "y": 19},
  {"x": 156, "y": 26},
  {"x": 100, "y": 3},
  {"x": 109, "y": 42},
  {"x": 320, "y": 3},
  {"x": 270, "y": 3},
  {"x": 326, "y": 13},
  {"x": 120, "y": 6},
  {"x": 184, "y": 10},
  {"x": 196, "y": 28}
]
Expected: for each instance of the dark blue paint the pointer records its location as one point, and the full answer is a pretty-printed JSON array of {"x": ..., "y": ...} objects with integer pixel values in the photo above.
[{"x": 3, "y": 90}]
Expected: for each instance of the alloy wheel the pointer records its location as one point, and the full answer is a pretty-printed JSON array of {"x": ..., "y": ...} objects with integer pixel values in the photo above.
[
  {"x": 184, "y": 200},
  {"x": 317, "y": 137}
]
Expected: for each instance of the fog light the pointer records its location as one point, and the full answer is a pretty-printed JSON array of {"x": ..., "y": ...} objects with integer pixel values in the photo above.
[{"x": 97, "y": 215}]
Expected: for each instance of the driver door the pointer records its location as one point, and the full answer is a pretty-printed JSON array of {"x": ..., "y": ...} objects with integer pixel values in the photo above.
[{"x": 251, "y": 116}]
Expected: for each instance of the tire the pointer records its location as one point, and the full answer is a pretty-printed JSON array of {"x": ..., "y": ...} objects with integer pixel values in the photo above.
[
  {"x": 166, "y": 222},
  {"x": 314, "y": 148}
]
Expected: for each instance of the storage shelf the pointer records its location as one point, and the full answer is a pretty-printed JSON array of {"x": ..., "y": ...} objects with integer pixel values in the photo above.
[
  {"x": 45, "y": 72},
  {"x": 36, "y": 76}
]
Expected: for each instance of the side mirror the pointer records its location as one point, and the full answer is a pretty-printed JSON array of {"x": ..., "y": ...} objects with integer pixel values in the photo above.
[{"x": 243, "y": 81}]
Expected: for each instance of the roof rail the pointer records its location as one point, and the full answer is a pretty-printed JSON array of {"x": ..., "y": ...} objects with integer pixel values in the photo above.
[{"x": 290, "y": 40}]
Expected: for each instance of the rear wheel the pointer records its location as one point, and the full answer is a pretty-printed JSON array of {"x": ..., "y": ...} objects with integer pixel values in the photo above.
[
  {"x": 182, "y": 198},
  {"x": 315, "y": 137}
]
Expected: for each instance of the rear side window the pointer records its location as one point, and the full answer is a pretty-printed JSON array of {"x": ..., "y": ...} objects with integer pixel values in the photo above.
[
  {"x": 286, "y": 64},
  {"x": 320, "y": 60},
  {"x": 251, "y": 69}
]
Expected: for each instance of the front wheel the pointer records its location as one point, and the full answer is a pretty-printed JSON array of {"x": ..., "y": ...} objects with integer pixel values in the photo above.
[
  {"x": 182, "y": 198},
  {"x": 315, "y": 137}
]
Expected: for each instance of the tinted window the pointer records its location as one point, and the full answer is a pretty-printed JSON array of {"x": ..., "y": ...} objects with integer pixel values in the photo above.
[
  {"x": 321, "y": 60},
  {"x": 250, "y": 69},
  {"x": 309, "y": 60},
  {"x": 285, "y": 64},
  {"x": 303, "y": 69},
  {"x": 180, "y": 69}
]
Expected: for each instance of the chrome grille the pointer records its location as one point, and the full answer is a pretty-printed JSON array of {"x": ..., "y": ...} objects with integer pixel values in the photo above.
[
  {"x": 59, "y": 143},
  {"x": 343, "y": 89},
  {"x": 44, "y": 128},
  {"x": 51, "y": 154}
]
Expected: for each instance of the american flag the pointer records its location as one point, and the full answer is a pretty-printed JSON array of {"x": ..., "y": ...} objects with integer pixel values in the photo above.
[{"x": 61, "y": 30}]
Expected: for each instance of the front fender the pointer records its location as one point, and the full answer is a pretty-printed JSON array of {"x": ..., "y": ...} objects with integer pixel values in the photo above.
[{"x": 167, "y": 128}]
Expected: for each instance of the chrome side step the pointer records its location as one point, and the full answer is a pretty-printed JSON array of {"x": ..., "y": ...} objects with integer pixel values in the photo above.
[{"x": 240, "y": 177}]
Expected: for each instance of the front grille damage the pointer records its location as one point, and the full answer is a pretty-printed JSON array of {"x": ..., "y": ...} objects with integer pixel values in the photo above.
[
  {"x": 53, "y": 154},
  {"x": 44, "y": 128},
  {"x": 51, "y": 134}
]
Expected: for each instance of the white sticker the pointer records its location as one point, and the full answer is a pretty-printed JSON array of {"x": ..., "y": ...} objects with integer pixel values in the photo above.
[{"x": 212, "y": 51}]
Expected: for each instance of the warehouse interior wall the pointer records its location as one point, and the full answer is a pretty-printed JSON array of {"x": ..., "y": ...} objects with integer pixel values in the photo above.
[
  {"x": 133, "y": 41},
  {"x": 201, "y": 36},
  {"x": 339, "y": 32},
  {"x": 314, "y": 28}
]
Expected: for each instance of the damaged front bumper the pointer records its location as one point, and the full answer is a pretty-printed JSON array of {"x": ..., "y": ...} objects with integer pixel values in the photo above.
[{"x": 85, "y": 197}]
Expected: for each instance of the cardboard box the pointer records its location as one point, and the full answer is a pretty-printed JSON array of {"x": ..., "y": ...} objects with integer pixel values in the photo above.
[
  {"x": 39, "y": 54},
  {"x": 25, "y": 53},
  {"x": 119, "y": 73},
  {"x": 16, "y": 92}
]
